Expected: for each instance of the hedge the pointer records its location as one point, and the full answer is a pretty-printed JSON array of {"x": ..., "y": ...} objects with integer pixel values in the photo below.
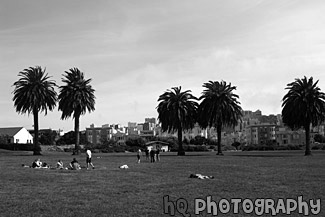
[{"x": 18, "y": 146}]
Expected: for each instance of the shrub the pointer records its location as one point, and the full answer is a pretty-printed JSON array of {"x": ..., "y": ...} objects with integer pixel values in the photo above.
[
  {"x": 196, "y": 148},
  {"x": 271, "y": 148},
  {"x": 228, "y": 148},
  {"x": 294, "y": 147},
  {"x": 317, "y": 147}
]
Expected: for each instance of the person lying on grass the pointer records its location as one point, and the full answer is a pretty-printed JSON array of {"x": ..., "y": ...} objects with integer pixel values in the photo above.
[
  {"x": 37, "y": 164},
  {"x": 200, "y": 176}
]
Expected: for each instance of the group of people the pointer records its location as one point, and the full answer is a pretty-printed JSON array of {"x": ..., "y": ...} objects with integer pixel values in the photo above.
[
  {"x": 74, "y": 164},
  {"x": 153, "y": 153}
]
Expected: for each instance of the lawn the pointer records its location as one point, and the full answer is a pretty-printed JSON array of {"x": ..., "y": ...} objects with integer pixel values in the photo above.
[{"x": 142, "y": 189}]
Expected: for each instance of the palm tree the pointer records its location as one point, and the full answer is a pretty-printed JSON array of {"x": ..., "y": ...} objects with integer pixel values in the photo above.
[
  {"x": 34, "y": 93},
  {"x": 177, "y": 112},
  {"x": 219, "y": 107},
  {"x": 303, "y": 106},
  {"x": 75, "y": 98}
]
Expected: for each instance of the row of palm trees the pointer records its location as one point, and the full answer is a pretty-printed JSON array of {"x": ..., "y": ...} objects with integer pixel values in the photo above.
[
  {"x": 179, "y": 111},
  {"x": 303, "y": 106},
  {"x": 34, "y": 92}
]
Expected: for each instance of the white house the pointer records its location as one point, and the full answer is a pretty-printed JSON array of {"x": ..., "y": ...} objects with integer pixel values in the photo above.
[
  {"x": 163, "y": 146},
  {"x": 16, "y": 135}
]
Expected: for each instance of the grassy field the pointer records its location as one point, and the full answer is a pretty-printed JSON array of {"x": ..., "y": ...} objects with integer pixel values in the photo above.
[{"x": 140, "y": 190}]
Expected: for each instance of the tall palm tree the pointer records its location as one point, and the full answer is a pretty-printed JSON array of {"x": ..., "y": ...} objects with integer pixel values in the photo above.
[
  {"x": 75, "y": 98},
  {"x": 34, "y": 93},
  {"x": 303, "y": 106},
  {"x": 219, "y": 107},
  {"x": 177, "y": 112}
]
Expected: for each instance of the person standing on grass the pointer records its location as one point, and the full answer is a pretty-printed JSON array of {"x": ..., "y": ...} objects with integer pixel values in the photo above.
[
  {"x": 88, "y": 159},
  {"x": 152, "y": 156},
  {"x": 147, "y": 154},
  {"x": 139, "y": 155},
  {"x": 158, "y": 154}
]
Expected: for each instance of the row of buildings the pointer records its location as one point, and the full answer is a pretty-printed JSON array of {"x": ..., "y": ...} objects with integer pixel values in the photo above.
[{"x": 254, "y": 129}]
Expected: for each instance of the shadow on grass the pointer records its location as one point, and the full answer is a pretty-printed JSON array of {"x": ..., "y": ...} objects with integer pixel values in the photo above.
[
  {"x": 15, "y": 153},
  {"x": 262, "y": 155}
]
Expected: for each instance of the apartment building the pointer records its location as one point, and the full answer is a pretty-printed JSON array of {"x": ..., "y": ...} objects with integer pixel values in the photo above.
[
  {"x": 285, "y": 136},
  {"x": 260, "y": 134},
  {"x": 97, "y": 135}
]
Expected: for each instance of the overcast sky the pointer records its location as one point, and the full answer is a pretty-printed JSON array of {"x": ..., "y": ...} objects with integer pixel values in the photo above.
[{"x": 135, "y": 50}]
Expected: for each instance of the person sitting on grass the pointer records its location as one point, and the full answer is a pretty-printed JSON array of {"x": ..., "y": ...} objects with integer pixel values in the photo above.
[
  {"x": 74, "y": 165},
  {"x": 59, "y": 165},
  {"x": 45, "y": 166}
]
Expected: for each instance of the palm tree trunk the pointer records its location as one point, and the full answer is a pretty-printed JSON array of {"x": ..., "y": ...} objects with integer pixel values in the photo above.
[
  {"x": 219, "y": 127},
  {"x": 181, "y": 151},
  {"x": 36, "y": 148},
  {"x": 307, "y": 130},
  {"x": 76, "y": 131}
]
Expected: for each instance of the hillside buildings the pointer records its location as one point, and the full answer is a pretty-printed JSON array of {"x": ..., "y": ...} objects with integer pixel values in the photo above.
[
  {"x": 254, "y": 129},
  {"x": 116, "y": 132}
]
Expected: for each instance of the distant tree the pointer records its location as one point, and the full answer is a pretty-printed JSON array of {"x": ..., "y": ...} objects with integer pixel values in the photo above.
[
  {"x": 186, "y": 141},
  {"x": 75, "y": 98},
  {"x": 48, "y": 137},
  {"x": 219, "y": 107},
  {"x": 212, "y": 142},
  {"x": 70, "y": 138},
  {"x": 198, "y": 140},
  {"x": 319, "y": 138},
  {"x": 138, "y": 142},
  {"x": 303, "y": 106},
  {"x": 4, "y": 139},
  {"x": 34, "y": 93},
  {"x": 67, "y": 139},
  {"x": 177, "y": 112}
]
